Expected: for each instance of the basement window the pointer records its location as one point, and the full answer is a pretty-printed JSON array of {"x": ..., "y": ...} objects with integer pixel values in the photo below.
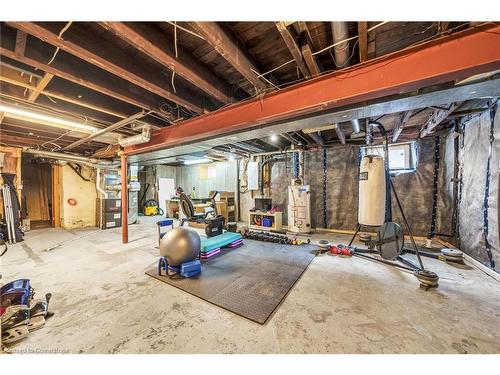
[
  {"x": 403, "y": 157},
  {"x": 212, "y": 172}
]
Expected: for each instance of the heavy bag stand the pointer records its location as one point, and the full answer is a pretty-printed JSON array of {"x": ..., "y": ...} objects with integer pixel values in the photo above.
[{"x": 389, "y": 244}]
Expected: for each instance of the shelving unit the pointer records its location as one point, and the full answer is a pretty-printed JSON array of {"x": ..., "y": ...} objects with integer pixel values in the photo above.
[
  {"x": 276, "y": 220},
  {"x": 226, "y": 206}
]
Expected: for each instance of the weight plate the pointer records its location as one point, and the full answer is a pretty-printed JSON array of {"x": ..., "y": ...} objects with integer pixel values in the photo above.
[
  {"x": 452, "y": 252},
  {"x": 427, "y": 278},
  {"x": 364, "y": 237},
  {"x": 324, "y": 243},
  {"x": 460, "y": 256}
]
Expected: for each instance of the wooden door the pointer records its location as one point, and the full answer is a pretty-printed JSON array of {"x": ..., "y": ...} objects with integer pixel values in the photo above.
[{"x": 37, "y": 187}]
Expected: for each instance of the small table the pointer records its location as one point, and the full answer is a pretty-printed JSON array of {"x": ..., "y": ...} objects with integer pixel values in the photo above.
[{"x": 276, "y": 218}]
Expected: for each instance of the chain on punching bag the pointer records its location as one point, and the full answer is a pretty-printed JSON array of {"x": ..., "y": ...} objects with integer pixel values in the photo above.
[
  {"x": 296, "y": 165},
  {"x": 437, "y": 146},
  {"x": 325, "y": 218}
]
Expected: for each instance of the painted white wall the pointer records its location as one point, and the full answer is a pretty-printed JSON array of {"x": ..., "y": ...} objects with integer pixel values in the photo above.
[
  {"x": 225, "y": 178},
  {"x": 83, "y": 214},
  {"x": 166, "y": 190}
]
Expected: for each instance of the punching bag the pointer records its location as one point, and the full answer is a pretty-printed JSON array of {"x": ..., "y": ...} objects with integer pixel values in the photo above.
[{"x": 372, "y": 191}]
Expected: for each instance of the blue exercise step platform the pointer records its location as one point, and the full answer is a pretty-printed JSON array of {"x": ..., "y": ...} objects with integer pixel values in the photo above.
[{"x": 224, "y": 239}]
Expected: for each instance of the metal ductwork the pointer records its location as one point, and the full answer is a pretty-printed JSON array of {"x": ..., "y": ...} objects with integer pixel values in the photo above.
[
  {"x": 137, "y": 139},
  {"x": 340, "y": 32},
  {"x": 290, "y": 139},
  {"x": 110, "y": 128},
  {"x": 317, "y": 138},
  {"x": 90, "y": 162},
  {"x": 356, "y": 129},
  {"x": 355, "y": 126}
]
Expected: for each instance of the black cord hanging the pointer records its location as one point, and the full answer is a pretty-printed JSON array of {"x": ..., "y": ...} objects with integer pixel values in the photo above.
[
  {"x": 437, "y": 147},
  {"x": 487, "y": 243},
  {"x": 461, "y": 130},
  {"x": 325, "y": 217}
]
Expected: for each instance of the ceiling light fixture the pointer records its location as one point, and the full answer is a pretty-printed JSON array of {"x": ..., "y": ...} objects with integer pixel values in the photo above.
[
  {"x": 197, "y": 161},
  {"x": 274, "y": 138},
  {"x": 38, "y": 117}
]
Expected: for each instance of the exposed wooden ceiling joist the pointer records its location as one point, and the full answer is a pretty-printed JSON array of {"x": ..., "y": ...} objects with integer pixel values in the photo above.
[
  {"x": 340, "y": 133},
  {"x": 363, "y": 41},
  {"x": 293, "y": 47},
  {"x": 437, "y": 118},
  {"x": 400, "y": 124},
  {"x": 12, "y": 77},
  {"x": 41, "y": 85},
  {"x": 420, "y": 67},
  {"x": 311, "y": 63},
  {"x": 227, "y": 47},
  {"x": 72, "y": 73},
  {"x": 307, "y": 51},
  {"x": 21, "y": 37},
  {"x": 105, "y": 56},
  {"x": 442, "y": 26},
  {"x": 60, "y": 96},
  {"x": 154, "y": 45}
]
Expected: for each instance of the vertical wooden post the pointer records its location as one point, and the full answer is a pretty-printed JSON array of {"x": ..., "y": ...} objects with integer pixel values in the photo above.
[
  {"x": 124, "y": 198},
  {"x": 56, "y": 196},
  {"x": 19, "y": 180},
  {"x": 363, "y": 41}
]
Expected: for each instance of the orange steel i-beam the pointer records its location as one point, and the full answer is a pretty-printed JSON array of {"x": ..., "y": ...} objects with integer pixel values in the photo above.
[
  {"x": 441, "y": 60},
  {"x": 124, "y": 197}
]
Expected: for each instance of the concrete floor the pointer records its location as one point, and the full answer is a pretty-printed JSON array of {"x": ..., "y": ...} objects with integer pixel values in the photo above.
[{"x": 104, "y": 303}]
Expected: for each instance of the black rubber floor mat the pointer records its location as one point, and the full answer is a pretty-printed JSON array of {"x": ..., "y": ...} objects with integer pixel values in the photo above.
[{"x": 251, "y": 280}]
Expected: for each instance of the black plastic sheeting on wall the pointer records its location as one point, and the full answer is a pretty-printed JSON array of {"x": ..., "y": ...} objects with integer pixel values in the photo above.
[
  {"x": 471, "y": 208},
  {"x": 414, "y": 189}
]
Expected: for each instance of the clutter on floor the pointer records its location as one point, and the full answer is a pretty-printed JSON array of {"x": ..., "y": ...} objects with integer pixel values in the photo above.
[
  {"x": 152, "y": 208},
  {"x": 275, "y": 237},
  {"x": 20, "y": 312}
]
